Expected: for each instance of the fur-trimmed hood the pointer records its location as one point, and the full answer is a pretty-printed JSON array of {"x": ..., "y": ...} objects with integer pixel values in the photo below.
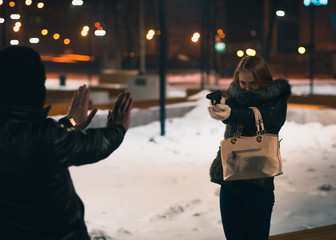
[{"x": 278, "y": 88}]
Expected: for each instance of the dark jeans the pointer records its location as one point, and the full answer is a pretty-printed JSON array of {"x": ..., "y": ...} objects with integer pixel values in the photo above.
[{"x": 246, "y": 212}]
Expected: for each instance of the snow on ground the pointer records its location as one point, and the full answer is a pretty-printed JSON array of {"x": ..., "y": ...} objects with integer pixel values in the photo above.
[{"x": 157, "y": 187}]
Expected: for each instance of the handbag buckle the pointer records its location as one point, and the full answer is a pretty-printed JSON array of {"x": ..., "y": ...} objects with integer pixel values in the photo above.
[{"x": 233, "y": 140}]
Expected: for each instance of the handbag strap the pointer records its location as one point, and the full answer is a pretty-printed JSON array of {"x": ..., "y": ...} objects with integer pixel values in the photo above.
[
  {"x": 259, "y": 124},
  {"x": 258, "y": 120}
]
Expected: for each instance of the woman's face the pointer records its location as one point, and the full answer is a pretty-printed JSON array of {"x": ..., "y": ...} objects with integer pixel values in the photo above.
[{"x": 247, "y": 82}]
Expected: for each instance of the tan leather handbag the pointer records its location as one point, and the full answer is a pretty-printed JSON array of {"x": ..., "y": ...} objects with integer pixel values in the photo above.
[{"x": 251, "y": 157}]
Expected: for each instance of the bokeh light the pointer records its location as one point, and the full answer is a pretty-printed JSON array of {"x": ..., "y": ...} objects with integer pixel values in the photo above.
[
  {"x": 251, "y": 52},
  {"x": 14, "y": 42},
  {"x": 44, "y": 32},
  {"x": 34, "y": 40},
  {"x": 240, "y": 53},
  {"x": 40, "y": 5},
  {"x": 195, "y": 37},
  {"x": 301, "y": 50},
  {"x": 56, "y": 36},
  {"x": 15, "y": 16}
]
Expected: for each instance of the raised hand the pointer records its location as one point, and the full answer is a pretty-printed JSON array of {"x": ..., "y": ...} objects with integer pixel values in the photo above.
[
  {"x": 121, "y": 113},
  {"x": 79, "y": 108}
]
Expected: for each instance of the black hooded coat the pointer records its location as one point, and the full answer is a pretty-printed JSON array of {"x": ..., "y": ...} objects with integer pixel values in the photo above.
[
  {"x": 38, "y": 200},
  {"x": 271, "y": 100}
]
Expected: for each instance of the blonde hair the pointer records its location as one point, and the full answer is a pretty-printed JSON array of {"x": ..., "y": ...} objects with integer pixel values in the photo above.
[{"x": 257, "y": 67}]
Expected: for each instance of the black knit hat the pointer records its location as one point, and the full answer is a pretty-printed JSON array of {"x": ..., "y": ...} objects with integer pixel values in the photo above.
[{"x": 22, "y": 77}]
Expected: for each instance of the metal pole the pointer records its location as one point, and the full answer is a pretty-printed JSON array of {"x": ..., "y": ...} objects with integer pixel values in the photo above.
[
  {"x": 142, "y": 37},
  {"x": 208, "y": 42},
  {"x": 91, "y": 58},
  {"x": 4, "y": 31},
  {"x": 163, "y": 64},
  {"x": 312, "y": 49},
  {"x": 202, "y": 43},
  {"x": 106, "y": 37}
]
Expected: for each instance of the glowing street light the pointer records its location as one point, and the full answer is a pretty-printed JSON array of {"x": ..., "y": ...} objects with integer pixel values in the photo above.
[
  {"x": 251, "y": 52},
  {"x": 221, "y": 33},
  {"x": 240, "y": 53},
  {"x": 301, "y": 50},
  {"x": 195, "y": 37},
  {"x": 2, "y": 20},
  {"x": 150, "y": 34},
  {"x": 280, "y": 13},
  {"x": 77, "y": 2},
  {"x": 100, "y": 32},
  {"x": 66, "y": 41},
  {"x": 14, "y": 42},
  {"x": 34, "y": 40},
  {"x": 85, "y": 31},
  {"x": 56, "y": 36},
  {"x": 40, "y": 5},
  {"x": 1, "y": 2},
  {"x": 28, "y": 2},
  {"x": 44, "y": 32},
  {"x": 12, "y": 4},
  {"x": 220, "y": 46},
  {"x": 15, "y": 16}
]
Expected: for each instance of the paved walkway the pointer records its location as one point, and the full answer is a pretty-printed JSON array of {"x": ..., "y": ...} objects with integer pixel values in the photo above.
[{"x": 319, "y": 233}]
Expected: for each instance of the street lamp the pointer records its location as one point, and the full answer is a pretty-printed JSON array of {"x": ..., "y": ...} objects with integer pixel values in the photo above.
[
  {"x": 34, "y": 40},
  {"x": 195, "y": 37},
  {"x": 15, "y": 16},
  {"x": 240, "y": 53},
  {"x": 77, "y": 2},
  {"x": 40, "y": 5},
  {"x": 280, "y": 13},
  {"x": 250, "y": 52},
  {"x": 302, "y": 50},
  {"x": 14, "y": 42}
]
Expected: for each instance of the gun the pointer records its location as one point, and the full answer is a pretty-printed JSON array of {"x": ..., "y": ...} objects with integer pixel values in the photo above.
[{"x": 215, "y": 97}]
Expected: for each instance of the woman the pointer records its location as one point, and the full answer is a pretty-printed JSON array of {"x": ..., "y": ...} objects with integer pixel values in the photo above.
[{"x": 246, "y": 205}]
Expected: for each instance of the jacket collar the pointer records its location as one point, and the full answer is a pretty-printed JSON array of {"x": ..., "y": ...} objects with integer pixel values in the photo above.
[
  {"x": 278, "y": 88},
  {"x": 23, "y": 111}
]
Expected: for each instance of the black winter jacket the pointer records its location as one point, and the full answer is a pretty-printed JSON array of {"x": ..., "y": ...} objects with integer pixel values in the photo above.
[
  {"x": 38, "y": 200},
  {"x": 271, "y": 100}
]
